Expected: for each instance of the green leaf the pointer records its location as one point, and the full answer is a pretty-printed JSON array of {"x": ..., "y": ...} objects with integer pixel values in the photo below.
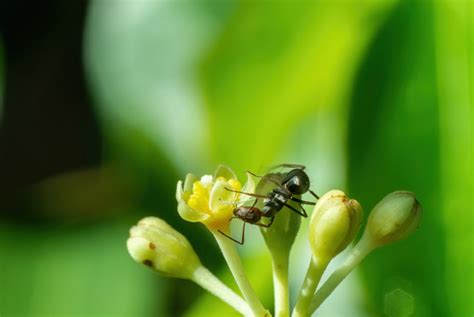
[
  {"x": 275, "y": 64},
  {"x": 81, "y": 272},
  {"x": 394, "y": 145},
  {"x": 455, "y": 77},
  {"x": 140, "y": 60}
]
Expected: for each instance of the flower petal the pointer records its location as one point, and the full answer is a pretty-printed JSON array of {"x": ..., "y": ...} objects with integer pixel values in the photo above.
[
  {"x": 179, "y": 191},
  {"x": 189, "y": 214},
  {"x": 249, "y": 187},
  {"x": 224, "y": 171},
  {"x": 220, "y": 197},
  {"x": 189, "y": 181},
  {"x": 186, "y": 188}
]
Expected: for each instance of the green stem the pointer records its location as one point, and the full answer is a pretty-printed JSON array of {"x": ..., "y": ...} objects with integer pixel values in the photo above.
[
  {"x": 313, "y": 276},
  {"x": 232, "y": 258},
  {"x": 203, "y": 277},
  {"x": 280, "y": 285},
  {"x": 358, "y": 253}
]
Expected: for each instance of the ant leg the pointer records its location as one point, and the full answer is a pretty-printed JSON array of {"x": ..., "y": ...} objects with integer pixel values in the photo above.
[
  {"x": 314, "y": 194},
  {"x": 266, "y": 225},
  {"x": 241, "y": 242},
  {"x": 265, "y": 177},
  {"x": 255, "y": 202},
  {"x": 304, "y": 202},
  {"x": 242, "y": 239},
  {"x": 249, "y": 194},
  {"x": 301, "y": 212}
]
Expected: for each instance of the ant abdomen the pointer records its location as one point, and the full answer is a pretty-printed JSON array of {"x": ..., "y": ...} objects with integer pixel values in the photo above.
[{"x": 248, "y": 214}]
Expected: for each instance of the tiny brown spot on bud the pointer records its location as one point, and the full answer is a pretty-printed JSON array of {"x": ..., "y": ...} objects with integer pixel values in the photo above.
[
  {"x": 148, "y": 263},
  {"x": 152, "y": 246}
]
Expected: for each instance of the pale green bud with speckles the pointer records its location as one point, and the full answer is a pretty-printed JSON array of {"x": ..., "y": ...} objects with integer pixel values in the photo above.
[{"x": 156, "y": 244}]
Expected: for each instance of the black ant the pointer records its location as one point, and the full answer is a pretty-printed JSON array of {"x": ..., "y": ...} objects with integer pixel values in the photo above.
[{"x": 295, "y": 182}]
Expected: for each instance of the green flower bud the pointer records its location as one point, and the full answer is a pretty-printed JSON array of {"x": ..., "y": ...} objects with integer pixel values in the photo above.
[
  {"x": 334, "y": 224},
  {"x": 156, "y": 244},
  {"x": 395, "y": 217},
  {"x": 281, "y": 235}
]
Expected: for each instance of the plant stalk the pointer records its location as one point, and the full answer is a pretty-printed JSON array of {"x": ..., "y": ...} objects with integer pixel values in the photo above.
[
  {"x": 313, "y": 276},
  {"x": 358, "y": 253},
  {"x": 232, "y": 258},
  {"x": 203, "y": 277},
  {"x": 280, "y": 284}
]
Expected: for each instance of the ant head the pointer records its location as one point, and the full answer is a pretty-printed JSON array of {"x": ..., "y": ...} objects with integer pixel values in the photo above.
[{"x": 296, "y": 182}]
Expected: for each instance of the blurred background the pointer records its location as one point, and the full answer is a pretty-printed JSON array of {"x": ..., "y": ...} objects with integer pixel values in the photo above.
[{"x": 105, "y": 104}]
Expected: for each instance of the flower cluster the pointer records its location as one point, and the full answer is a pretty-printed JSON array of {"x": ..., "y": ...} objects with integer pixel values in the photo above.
[{"x": 334, "y": 223}]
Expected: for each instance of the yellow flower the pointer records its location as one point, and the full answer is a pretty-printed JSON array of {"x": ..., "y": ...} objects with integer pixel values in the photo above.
[{"x": 208, "y": 200}]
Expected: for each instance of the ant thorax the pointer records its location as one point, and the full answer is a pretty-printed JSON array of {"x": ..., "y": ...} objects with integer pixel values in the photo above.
[
  {"x": 280, "y": 198},
  {"x": 276, "y": 198},
  {"x": 280, "y": 195}
]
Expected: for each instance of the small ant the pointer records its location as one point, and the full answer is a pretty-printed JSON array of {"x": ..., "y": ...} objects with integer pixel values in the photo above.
[
  {"x": 295, "y": 182},
  {"x": 248, "y": 214}
]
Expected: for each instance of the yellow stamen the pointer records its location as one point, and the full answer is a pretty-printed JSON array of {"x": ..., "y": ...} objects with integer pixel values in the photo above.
[
  {"x": 234, "y": 184},
  {"x": 199, "y": 199}
]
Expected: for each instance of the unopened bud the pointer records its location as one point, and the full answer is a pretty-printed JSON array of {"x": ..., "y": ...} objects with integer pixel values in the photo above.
[
  {"x": 281, "y": 235},
  {"x": 395, "y": 217},
  {"x": 156, "y": 244},
  {"x": 334, "y": 224}
]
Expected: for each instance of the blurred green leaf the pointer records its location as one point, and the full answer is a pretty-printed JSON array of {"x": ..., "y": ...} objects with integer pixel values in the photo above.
[
  {"x": 140, "y": 58},
  {"x": 275, "y": 64},
  {"x": 82, "y": 272},
  {"x": 393, "y": 144},
  {"x": 455, "y": 73}
]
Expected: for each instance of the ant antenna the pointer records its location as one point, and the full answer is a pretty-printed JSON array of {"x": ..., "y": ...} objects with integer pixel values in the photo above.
[{"x": 249, "y": 194}]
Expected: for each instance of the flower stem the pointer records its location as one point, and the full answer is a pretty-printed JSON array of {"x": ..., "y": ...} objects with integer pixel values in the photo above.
[
  {"x": 235, "y": 265},
  {"x": 358, "y": 253},
  {"x": 203, "y": 277},
  {"x": 313, "y": 276},
  {"x": 280, "y": 285}
]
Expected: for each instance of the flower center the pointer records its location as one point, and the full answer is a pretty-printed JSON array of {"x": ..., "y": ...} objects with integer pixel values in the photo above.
[{"x": 199, "y": 199}]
